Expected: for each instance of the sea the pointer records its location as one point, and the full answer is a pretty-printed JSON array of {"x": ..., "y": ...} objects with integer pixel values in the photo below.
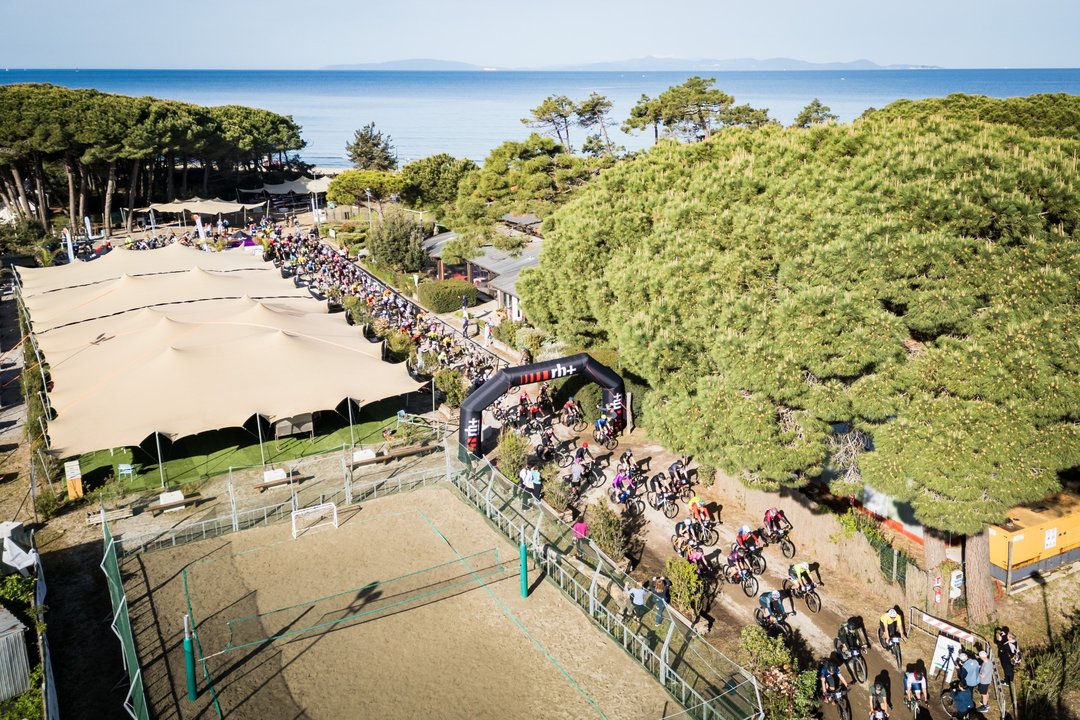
[{"x": 467, "y": 114}]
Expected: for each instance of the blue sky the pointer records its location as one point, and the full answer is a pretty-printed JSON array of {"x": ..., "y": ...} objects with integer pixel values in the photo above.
[{"x": 512, "y": 33}]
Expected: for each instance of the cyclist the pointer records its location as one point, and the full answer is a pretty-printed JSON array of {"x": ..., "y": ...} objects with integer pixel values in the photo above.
[
  {"x": 737, "y": 565},
  {"x": 543, "y": 395},
  {"x": 600, "y": 428},
  {"x": 891, "y": 625},
  {"x": 830, "y": 678},
  {"x": 800, "y": 573},
  {"x": 878, "y": 699},
  {"x": 772, "y": 605},
  {"x": 746, "y": 539},
  {"x": 698, "y": 511},
  {"x": 776, "y": 521},
  {"x": 658, "y": 485},
  {"x": 583, "y": 452},
  {"x": 577, "y": 471},
  {"x": 622, "y": 485},
  {"x": 677, "y": 471},
  {"x": 697, "y": 556},
  {"x": 571, "y": 408},
  {"x": 915, "y": 685},
  {"x": 686, "y": 529},
  {"x": 546, "y": 447},
  {"x": 627, "y": 460},
  {"x": 849, "y": 635}
]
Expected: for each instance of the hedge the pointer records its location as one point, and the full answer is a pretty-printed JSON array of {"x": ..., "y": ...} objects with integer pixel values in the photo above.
[{"x": 443, "y": 296}]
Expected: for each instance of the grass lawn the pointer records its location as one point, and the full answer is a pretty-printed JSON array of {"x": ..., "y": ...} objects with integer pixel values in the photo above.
[{"x": 191, "y": 459}]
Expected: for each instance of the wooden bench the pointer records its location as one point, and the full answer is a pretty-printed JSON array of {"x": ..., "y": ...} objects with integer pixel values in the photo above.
[
  {"x": 155, "y": 508},
  {"x": 275, "y": 477},
  {"x": 393, "y": 454},
  {"x": 94, "y": 518}
]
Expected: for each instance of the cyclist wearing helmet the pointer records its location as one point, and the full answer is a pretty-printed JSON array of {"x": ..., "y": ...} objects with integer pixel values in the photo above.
[
  {"x": 677, "y": 471},
  {"x": 915, "y": 685},
  {"x": 776, "y": 520},
  {"x": 746, "y": 539},
  {"x": 698, "y": 511},
  {"x": 878, "y": 701},
  {"x": 800, "y": 573},
  {"x": 772, "y": 604},
  {"x": 830, "y": 678},
  {"x": 583, "y": 452},
  {"x": 686, "y": 529},
  {"x": 658, "y": 485},
  {"x": 571, "y": 406},
  {"x": 891, "y": 625},
  {"x": 622, "y": 486},
  {"x": 737, "y": 565}
]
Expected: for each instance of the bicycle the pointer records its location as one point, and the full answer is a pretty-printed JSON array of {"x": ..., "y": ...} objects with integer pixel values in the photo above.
[
  {"x": 891, "y": 645},
  {"x": 839, "y": 697},
  {"x": 663, "y": 501},
  {"x": 743, "y": 577},
  {"x": 773, "y": 626},
  {"x": 632, "y": 503},
  {"x": 754, "y": 557},
  {"x": 707, "y": 532},
  {"x": 948, "y": 701},
  {"x": 605, "y": 438},
  {"x": 780, "y": 538},
  {"x": 573, "y": 419},
  {"x": 852, "y": 655},
  {"x": 796, "y": 590},
  {"x": 914, "y": 706}
]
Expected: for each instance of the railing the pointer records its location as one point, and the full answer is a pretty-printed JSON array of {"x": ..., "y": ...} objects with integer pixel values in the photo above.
[
  {"x": 704, "y": 681},
  {"x": 52, "y": 708}
]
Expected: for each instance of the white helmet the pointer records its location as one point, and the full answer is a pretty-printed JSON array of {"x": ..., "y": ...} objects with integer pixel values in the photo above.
[
  {"x": 775, "y": 595},
  {"x": 744, "y": 530}
]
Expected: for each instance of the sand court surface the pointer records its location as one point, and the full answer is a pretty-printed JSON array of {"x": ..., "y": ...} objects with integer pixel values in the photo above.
[{"x": 410, "y": 608}]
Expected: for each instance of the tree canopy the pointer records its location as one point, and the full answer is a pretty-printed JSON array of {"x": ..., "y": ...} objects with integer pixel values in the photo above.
[
  {"x": 693, "y": 110},
  {"x": 816, "y": 113},
  {"x": 432, "y": 183},
  {"x": 371, "y": 150},
  {"x": 780, "y": 290},
  {"x": 1043, "y": 115}
]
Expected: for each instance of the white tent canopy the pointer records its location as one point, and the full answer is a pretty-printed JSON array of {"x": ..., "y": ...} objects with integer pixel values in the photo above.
[
  {"x": 215, "y": 206},
  {"x": 300, "y": 186},
  {"x": 181, "y": 351}
]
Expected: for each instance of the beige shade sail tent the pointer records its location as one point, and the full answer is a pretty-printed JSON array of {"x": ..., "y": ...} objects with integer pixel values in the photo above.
[
  {"x": 172, "y": 258},
  {"x": 164, "y": 348}
]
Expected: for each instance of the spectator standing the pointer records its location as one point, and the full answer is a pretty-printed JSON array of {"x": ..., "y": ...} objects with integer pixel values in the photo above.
[
  {"x": 487, "y": 334},
  {"x": 637, "y": 599},
  {"x": 464, "y": 302},
  {"x": 1008, "y": 653},
  {"x": 986, "y": 678},
  {"x": 526, "y": 478},
  {"x": 581, "y": 533},
  {"x": 970, "y": 668},
  {"x": 537, "y": 481},
  {"x": 659, "y": 586}
]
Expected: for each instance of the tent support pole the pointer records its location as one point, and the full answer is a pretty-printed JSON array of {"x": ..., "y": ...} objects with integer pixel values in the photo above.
[
  {"x": 352, "y": 440},
  {"x": 161, "y": 466},
  {"x": 258, "y": 425}
]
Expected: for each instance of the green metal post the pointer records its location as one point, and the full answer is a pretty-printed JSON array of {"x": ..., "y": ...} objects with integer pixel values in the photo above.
[
  {"x": 524, "y": 571},
  {"x": 189, "y": 663}
]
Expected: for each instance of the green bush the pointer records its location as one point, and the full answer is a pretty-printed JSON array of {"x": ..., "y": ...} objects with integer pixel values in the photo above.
[
  {"x": 46, "y": 503},
  {"x": 400, "y": 346},
  {"x": 531, "y": 338},
  {"x": 706, "y": 475},
  {"x": 443, "y": 296},
  {"x": 786, "y": 692},
  {"x": 607, "y": 529},
  {"x": 506, "y": 332},
  {"x": 357, "y": 309},
  {"x": 513, "y": 454},
  {"x": 451, "y": 384},
  {"x": 28, "y": 705},
  {"x": 687, "y": 590},
  {"x": 556, "y": 492},
  {"x": 1050, "y": 675}
]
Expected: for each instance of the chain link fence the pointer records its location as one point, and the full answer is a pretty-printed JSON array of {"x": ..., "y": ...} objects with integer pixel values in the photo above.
[
  {"x": 704, "y": 681},
  {"x": 135, "y": 700}
]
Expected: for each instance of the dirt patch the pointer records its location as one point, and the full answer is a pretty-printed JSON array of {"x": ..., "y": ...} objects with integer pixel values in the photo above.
[{"x": 383, "y": 646}]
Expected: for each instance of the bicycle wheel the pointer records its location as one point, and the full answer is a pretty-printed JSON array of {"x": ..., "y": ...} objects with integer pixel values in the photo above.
[
  {"x": 813, "y": 601},
  {"x": 857, "y": 666},
  {"x": 635, "y": 506},
  {"x": 612, "y": 496},
  {"x": 513, "y": 390},
  {"x": 788, "y": 548},
  {"x": 685, "y": 492},
  {"x": 897, "y": 654},
  {"x": 670, "y": 509},
  {"x": 611, "y": 442},
  {"x": 579, "y": 424},
  {"x": 565, "y": 460},
  {"x": 781, "y": 629},
  {"x": 759, "y": 615},
  {"x": 597, "y": 478},
  {"x": 788, "y": 587},
  {"x": 652, "y": 499},
  {"x": 750, "y": 585},
  {"x": 757, "y": 563},
  {"x": 844, "y": 708}
]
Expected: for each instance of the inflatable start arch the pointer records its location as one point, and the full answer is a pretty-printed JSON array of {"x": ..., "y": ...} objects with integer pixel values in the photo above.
[{"x": 472, "y": 424}]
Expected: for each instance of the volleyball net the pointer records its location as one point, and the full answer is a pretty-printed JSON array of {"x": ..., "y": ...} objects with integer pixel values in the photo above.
[{"x": 379, "y": 598}]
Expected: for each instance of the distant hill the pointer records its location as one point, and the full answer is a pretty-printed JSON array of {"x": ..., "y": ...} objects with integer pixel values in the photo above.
[{"x": 644, "y": 64}]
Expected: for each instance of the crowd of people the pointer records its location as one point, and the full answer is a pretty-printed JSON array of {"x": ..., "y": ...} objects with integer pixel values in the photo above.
[{"x": 330, "y": 272}]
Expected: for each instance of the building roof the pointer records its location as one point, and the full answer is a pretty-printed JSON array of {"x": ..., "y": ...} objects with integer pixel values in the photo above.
[{"x": 507, "y": 266}]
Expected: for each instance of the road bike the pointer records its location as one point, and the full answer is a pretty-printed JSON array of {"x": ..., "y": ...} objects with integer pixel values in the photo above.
[
  {"x": 779, "y": 538},
  {"x": 774, "y": 627},
  {"x": 796, "y": 590},
  {"x": 744, "y": 577},
  {"x": 663, "y": 501},
  {"x": 853, "y": 658},
  {"x": 839, "y": 698},
  {"x": 891, "y": 646}
]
